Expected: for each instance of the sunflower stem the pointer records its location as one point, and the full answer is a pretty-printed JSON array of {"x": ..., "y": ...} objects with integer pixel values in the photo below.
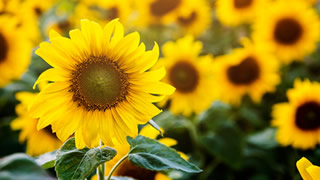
[
  {"x": 116, "y": 166},
  {"x": 100, "y": 171},
  {"x": 101, "y": 168}
]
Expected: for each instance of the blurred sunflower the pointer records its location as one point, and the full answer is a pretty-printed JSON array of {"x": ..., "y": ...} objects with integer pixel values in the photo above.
[
  {"x": 102, "y": 86},
  {"x": 37, "y": 7},
  {"x": 247, "y": 70},
  {"x": 15, "y": 51},
  {"x": 195, "y": 18},
  {"x": 104, "y": 11},
  {"x": 307, "y": 170},
  {"x": 235, "y": 12},
  {"x": 283, "y": 29},
  {"x": 38, "y": 142},
  {"x": 130, "y": 170},
  {"x": 62, "y": 26},
  {"x": 298, "y": 121},
  {"x": 158, "y": 11},
  {"x": 190, "y": 74}
]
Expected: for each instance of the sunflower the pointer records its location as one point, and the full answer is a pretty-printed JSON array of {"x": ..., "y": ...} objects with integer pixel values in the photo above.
[
  {"x": 195, "y": 18},
  {"x": 157, "y": 12},
  {"x": 247, "y": 70},
  {"x": 15, "y": 51},
  {"x": 130, "y": 170},
  {"x": 62, "y": 26},
  {"x": 235, "y": 12},
  {"x": 307, "y": 170},
  {"x": 38, "y": 142},
  {"x": 286, "y": 31},
  {"x": 37, "y": 7},
  {"x": 102, "y": 84},
  {"x": 190, "y": 74},
  {"x": 298, "y": 121},
  {"x": 104, "y": 11}
]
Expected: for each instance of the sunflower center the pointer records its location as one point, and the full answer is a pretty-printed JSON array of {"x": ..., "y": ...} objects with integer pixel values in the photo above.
[
  {"x": 239, "y": 4},
  {"x": 38, "y": 11},
  {"x": 130, "y": 170},
  {"x": 112, "y": 13},
  {"x": 185, "y": 21},
  {"x": 162, "y": 7},
  {"x": 48, "y": 130},
  {"x": 308, "y": 116},
  {"x": 288, "y": 31},
  {"x": 184, "y": 76},
  {"x": 3, "y": 48},
  {"x": 99, "y": 83},
  {"x": 64, "y": 25},
  {"x": 244, "y": 73}
]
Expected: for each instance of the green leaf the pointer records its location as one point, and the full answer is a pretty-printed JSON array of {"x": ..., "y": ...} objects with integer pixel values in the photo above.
[
  {"x": 73, "y": 163},
  {"x": 152, "y": 155},
  {"x": 227, "y": 143},
  {"x": 264, "y": 139},
  {"x": 47, "y": 160},
  {"x": 21, "y": 166},
  {"x": 121, "y": 178}
]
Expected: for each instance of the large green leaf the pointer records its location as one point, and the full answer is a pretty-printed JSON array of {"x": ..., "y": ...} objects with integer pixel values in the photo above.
[
  {"x": 47, "y": 160},
  {"x": 21, "y": 166},
  {"x": 152, "y": 155},
  {"x": 226, "y": 143},
  {"x": 264, "y": 139},
  {"x": 73, "y": 163}
]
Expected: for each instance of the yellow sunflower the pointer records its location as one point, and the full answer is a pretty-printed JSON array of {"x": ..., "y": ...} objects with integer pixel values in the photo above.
[
  {"x": 102, "y": 84},
  {"x": 195, "y": 18},
  {"x": 104, "y": 11},
  {"x": 130, "y": 170},
  {"x": 307, "y": 170},
  {"x": 190, "y": 74},
  {"x": 157, "y": 12},
  {"x": 15, "y": 51},
  {"x": 37, "y": 7},
  {"x": 247, "y": 70},
  {"x": 38, "y": 142},
  {"x": 290, "y": 30},
  {"x": 235, "y": 12},
  {"x": 62, "y": 26},
  {"x": 298, "y": 121}
]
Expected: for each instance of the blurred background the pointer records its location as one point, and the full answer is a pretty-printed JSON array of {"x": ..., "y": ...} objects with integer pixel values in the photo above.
[{"x": 245, "y": 58}]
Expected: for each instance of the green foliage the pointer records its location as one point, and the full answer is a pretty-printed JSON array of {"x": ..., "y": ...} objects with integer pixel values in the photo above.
[
  {"x": 73, "y": 163},
  {"x": 21, "y": 166},
  {"x": 152, "y": 155},
  {"x": 47, "y": 160}
]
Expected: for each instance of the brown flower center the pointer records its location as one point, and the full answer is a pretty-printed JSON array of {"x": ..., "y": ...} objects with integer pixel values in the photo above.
[
  {"x": 162, "y": 7},
  {"x": 239, "y": 4},
  {"x": 64, "y": 25},
  {"x": 308, "y": 116},
  {"x": 128, "y": 169},
  {"x": 287, "y": 31},
  {"x": 99, "y": 84},
  {"x": 184, "y": 76},
  {"x": 38, "y": 11},
  {"x": 3, "y": 48},
  {"x": 244, "y": 73},
  {"x": 186, "y": 21},
  {"x": 112, "y": 13}
]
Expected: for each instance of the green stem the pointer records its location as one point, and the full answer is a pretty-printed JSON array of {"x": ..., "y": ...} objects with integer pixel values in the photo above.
[
  {"x": 116, "y": 166},
  {"x": 100, "y": 171},
  {"x": 101, "y": 168}
]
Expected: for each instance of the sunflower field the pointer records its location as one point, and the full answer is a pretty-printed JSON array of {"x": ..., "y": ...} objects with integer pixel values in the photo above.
[{"x": 159, "y": 89}]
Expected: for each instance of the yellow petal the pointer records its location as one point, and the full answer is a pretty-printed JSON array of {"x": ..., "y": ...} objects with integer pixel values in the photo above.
[{"x": 302, "y": 166}]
